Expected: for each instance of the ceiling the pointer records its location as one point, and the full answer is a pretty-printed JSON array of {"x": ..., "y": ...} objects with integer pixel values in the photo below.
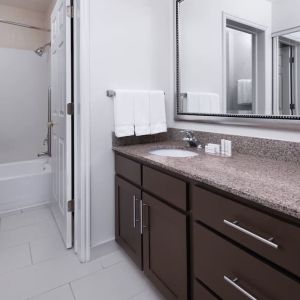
[{"x": 34, "y": 5}]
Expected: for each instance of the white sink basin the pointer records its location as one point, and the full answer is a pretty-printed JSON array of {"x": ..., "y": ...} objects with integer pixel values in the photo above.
[{"x": 173, "y": 153}]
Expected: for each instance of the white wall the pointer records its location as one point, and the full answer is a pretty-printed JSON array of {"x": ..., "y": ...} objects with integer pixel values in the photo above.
[
  {"x": 285, "y": 14},
  {"x": 129, "y": 49},
  {"x": 23, "y": 104}
]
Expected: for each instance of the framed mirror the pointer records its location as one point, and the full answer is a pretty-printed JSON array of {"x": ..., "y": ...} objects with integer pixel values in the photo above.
[{"x": 238, "y": 59}]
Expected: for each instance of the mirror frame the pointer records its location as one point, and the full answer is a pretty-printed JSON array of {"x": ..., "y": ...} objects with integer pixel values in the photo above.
[{"x": 230, "y": 119}]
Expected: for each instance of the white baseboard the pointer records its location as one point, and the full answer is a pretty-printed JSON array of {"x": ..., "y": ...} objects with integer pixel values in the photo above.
[
  {"x": 20, "y": 207},
  {"x": 103, "y": 243},
  {"x": 104, "y": 248}
]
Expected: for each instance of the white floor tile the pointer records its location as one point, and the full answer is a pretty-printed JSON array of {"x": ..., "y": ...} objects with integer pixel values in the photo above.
[
  {"x": 26, "y": 234},
  {"x": 28, "y": 217},
  {"x": 150, "y": 294},
  {"x": 104, "y": 249},
  {"x": 14, "y": 258},
  {"x": 119, "y": 282},
  {"x": 112, "y": 259},
  {"x": 48, "y": 248},
  {"x": 40, "y": 278},
  {"x": 6, "y": 214},
  {"x": 61, "y": 293}
]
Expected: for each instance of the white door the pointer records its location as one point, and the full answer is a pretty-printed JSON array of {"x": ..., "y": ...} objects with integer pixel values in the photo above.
[{"x": 61, "y": 79}]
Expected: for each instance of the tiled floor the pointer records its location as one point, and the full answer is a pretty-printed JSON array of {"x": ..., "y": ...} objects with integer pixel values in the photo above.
[{"x": 34, "y": 265}]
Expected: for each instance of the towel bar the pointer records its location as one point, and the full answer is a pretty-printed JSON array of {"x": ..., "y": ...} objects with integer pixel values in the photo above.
[{"x": 112, "y": 94}]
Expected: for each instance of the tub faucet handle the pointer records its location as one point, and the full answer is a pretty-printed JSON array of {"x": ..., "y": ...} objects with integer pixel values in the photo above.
[{"x": 43, "y": 154}]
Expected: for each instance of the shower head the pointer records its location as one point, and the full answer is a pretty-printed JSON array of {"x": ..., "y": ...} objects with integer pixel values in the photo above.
[{"x": 41, "y": 50}]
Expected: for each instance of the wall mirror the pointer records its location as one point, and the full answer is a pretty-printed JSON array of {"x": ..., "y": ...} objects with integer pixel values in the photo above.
[{"x": 238, "y": 58}]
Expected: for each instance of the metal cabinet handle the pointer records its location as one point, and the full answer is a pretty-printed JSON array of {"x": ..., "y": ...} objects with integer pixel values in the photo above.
[
  {"x": 268, "y": 242},
  {"x": 134, "y": 211},
  {"x": 240, "y": 289},
  {"x": 147, "y": 226},
  {"x": 141, "y": 216}
]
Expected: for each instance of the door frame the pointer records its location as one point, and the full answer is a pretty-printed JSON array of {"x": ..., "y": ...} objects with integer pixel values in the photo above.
[
  {"x": 276, "y": 38},
  {"x": 82, "y": 130},
  {"x": 256, "y": 29}
]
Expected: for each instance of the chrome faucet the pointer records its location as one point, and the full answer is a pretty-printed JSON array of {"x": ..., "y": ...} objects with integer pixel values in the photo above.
[
  {"x": 190, "y": 138},
  {"x": 43, "y": 154}
]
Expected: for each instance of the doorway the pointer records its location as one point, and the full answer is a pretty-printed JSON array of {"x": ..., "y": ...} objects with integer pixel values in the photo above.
[
  {"x": 37, "y": 121},
  {"x": 287, "y": 78}
]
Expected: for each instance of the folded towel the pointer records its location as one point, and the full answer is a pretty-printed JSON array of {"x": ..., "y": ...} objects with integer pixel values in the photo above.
[
  {"x": 124, "y": 113},
  {"x": 158, "y": 122},
  {"x": 203, "y": 103},
  {"x": 141, "y": 113},
  {"x": 215, "y": 104},
  {"x": 245, "y": 91}
]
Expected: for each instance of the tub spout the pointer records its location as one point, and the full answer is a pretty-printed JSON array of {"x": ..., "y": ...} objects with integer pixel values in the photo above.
[{"x": 43, "y": 154}]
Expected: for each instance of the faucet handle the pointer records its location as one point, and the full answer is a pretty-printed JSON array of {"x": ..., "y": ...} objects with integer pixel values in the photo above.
[{"x": 189, "y": 134}]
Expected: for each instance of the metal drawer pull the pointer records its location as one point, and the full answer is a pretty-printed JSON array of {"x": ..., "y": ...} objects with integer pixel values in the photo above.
[
  {"x": 134, "y": 211},
  {"x": 236, "y": 286},
  {"x": 268, "y": 242},
  {"x": 141, "y": 216}
]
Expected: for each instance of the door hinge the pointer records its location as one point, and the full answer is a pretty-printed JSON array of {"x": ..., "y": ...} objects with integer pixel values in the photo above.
[
  {"x": 71, "y": 206},
  {"x": 70, "y": 11},
  {"x": 292, "y": 60},
  {"x": 292, "y": 106},
  {"x": 70, "y": 109}
]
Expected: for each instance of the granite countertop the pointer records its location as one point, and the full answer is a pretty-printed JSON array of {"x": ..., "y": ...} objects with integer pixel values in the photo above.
[{"x": 273, "y": 184}]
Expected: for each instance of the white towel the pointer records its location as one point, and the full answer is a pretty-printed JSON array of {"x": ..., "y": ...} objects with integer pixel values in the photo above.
[
  {"x": 245, "y": 91},
  {"x": 203, "y": 103},
  {"x": 124, "y": 113},
  {"x": 215, "y": 104},
  {"x": 158, "y": 122},
  {"x": 142, "y": 113}
]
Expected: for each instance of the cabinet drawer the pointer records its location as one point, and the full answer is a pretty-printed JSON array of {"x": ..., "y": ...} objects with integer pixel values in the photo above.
[
  {"x": 168, "y": 188},
  {"x": 128, "y": 169},
  {"x": 231, "y": 272},
  {"x": 249, "y": 227},
  {"x": 201, "y": 293}
]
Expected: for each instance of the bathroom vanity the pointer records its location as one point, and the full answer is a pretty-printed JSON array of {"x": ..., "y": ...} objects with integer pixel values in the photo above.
[{"x": 201, "y": 234}]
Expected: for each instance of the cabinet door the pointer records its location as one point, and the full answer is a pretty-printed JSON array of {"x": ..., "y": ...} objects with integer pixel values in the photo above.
[
  {"x": 165, "y": 247},
  {"x": 128, "y": 219}
]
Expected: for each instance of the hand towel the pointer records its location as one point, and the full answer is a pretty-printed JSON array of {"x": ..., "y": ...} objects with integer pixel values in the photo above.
[
  {"x": 158, "y": 120},
  {"x": 142, "y": 113},
  {"x": 245, "y": 91},
  {"x": 203, "y": 103},
  {"x": 215, "y": 104},
  {"x": 124, "y": 113}
]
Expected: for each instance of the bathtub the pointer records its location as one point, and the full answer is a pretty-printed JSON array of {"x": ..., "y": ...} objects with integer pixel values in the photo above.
[{"x": 24, "y": 184}]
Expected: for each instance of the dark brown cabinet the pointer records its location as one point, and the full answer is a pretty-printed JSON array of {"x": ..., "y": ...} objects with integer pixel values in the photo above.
[
  {"x": 274, "y": 239},
  {"x": 153, "y": 232},
  {"x": 166, "y": 187},
  {"x": 225, "y": 250},
  {"x": 128, "y": 219},
  {"x": 234, "y": 274},
  {"x": 202, "y": 293},
  {"x": 165, "y": 249}
]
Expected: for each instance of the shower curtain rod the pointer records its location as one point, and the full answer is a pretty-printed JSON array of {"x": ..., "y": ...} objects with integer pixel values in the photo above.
[{"x": 23, "y": 25}]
